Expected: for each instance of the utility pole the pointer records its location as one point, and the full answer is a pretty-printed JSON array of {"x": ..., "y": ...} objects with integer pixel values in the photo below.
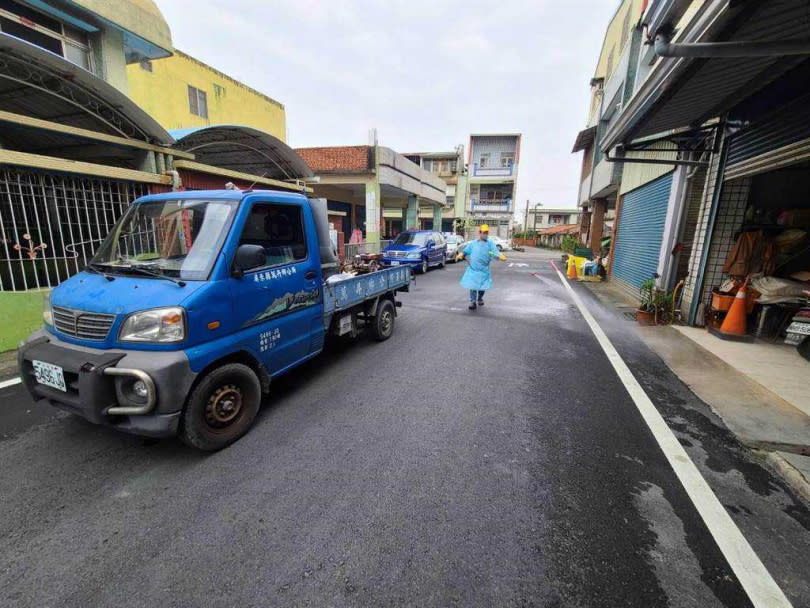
[{"x": 526, "y": 222}]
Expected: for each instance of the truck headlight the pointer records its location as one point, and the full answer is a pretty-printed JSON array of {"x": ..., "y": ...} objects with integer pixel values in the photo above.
[
  {"x": 159, "y": 325},
  {"x": 47, "y": 311},
  {"x": 414, "y": 256}
]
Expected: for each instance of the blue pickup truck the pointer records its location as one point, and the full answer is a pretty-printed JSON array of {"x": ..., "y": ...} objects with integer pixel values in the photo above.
[{"x": 192, "y": 305}]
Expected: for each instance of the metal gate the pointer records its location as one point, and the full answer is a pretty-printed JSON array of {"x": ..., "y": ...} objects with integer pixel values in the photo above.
[
  {"x": 51, "y": 224},
  {"x": 640, "y": 233}
]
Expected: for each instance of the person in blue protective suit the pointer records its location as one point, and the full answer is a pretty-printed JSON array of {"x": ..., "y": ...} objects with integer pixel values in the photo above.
[{"x": 477, "y": 277}]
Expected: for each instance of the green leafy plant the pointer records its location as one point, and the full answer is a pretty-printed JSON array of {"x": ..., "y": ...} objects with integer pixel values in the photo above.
[
  {"x": 646, "y": 296},
  {"x": 657, "y": 301},
  {"x": 569, "y": 243}
]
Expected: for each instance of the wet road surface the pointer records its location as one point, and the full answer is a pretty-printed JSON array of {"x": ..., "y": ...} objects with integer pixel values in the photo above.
[{"x": 487, "y": 458}]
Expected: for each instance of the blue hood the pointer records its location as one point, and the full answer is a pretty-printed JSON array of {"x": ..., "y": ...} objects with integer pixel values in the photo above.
[{"x": 93, "y": 293}]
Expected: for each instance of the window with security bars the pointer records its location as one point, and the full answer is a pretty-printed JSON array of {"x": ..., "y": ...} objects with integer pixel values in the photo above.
[
  {"x": 51, "y": 224},
  {"x": 197, "y": 102}
]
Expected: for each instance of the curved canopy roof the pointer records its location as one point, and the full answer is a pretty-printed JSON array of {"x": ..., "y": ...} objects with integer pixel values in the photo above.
[
  {"x": 242, "y": 148},
  {"x": 36, "y": 82}
]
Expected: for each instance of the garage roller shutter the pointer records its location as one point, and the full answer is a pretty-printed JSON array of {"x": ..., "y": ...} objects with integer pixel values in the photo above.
[
  {"x": 769, "y": 138},
  {"x": 640, "y": 233}
]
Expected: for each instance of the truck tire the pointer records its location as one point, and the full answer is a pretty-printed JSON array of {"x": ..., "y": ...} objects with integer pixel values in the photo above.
[
  {"x": 221, "y": 408},
  {"x": 424, "y": 267},
  {"x": 383, "y": 325}
]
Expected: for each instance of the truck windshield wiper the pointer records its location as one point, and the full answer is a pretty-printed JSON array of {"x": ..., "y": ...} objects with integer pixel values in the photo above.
[
  {"x": 151, "y": 273},
  {"x": 99, "y": 268}
]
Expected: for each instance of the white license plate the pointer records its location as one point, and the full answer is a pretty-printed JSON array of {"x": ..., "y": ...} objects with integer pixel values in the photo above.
[
  {"x": 799, "y": 328},
  {"x": 49, "y": 375},
  {"x": 393, "y": 263}
]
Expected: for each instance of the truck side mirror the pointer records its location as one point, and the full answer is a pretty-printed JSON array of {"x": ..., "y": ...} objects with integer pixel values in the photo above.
[
  {"x": 431, "y": 244},
  {"x": 247, "y": 258}
]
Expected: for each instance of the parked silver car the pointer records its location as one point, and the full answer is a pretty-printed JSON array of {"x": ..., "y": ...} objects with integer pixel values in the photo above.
[{"x": 454, "y": 243}]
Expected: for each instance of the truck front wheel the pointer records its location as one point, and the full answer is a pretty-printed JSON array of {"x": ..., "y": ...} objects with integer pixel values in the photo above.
[
  {"x": 383, "y": 325},
  {"x": 221, "y": 407}
]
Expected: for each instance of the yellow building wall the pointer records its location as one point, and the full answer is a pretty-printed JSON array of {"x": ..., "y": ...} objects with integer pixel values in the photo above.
[
  {"x": 618, "y": 34},
  {"x": 163, "y": 93}
]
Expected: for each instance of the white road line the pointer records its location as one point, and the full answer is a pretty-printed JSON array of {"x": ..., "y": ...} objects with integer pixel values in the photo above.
[
  {"x": 762, "y": 590},
  {"x": 7, "y": 383}
]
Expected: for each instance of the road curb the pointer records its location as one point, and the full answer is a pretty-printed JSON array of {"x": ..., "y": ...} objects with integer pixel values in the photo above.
[{"x": 799, "y": 483}]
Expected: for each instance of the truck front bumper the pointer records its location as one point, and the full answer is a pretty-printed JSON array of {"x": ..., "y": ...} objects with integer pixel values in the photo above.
[{"x": 100, "y": 384}]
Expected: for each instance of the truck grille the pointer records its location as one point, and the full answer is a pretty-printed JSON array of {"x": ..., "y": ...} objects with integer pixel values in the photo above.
[
  {"x": 396, "y": 254},
  {"x": 85, "y": 325}
]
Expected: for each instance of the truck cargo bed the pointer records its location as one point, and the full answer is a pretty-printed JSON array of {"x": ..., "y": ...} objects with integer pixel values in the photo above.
[{"x": 349, "y": 292}]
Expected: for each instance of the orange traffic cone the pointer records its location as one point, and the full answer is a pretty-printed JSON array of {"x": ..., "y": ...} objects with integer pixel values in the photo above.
[
  {"x": 734, "y": 325},
  {"x": 571, "y": 272}
]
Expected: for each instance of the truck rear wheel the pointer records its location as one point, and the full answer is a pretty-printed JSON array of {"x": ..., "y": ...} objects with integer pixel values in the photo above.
[
  {"x": 383, "y": 325},
  {"x": 221, "y": 407}
]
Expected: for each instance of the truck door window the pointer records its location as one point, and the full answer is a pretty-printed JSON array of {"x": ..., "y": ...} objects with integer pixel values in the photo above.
[{"x": 279, "y": 229}]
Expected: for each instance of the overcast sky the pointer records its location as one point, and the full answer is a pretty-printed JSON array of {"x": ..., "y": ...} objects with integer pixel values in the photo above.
[{"x": 426, "y": 74}]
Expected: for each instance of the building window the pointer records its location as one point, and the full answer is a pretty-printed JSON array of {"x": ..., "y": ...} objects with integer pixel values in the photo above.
[
  {"x": 507, "y": 160},
  {"x": 146, "y": 65},
  {"x": 219, "y": 91},
  {"x": 45, "y": 32},
  {"x": 484, "y": 161},
  {"x": 453, "y": 165},
  {"x": 197, "y": 102}
]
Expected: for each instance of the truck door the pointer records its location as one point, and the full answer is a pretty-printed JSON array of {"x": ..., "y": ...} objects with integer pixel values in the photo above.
[{"x": 279, "y": 301}]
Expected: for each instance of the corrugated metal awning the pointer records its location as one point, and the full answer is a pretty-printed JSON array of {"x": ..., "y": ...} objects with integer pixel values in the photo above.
[
  {"x": 682, "y": 92},
  {"x": 36, "y": 82},
  {"x": 584, "y": 139},
  {"x": 243, "y": 149}
]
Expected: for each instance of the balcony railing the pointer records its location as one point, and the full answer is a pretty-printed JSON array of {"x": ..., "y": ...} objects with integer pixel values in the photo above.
[
  {"x": 479, "y": 171},
  {"x": 585, "y": 188},
  {"x": 493, "y": 205},
  {"x": 605, "y": 178}
]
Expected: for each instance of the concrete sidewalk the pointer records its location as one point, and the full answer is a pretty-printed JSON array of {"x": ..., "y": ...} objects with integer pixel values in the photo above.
[{"x": 755, "y": 388}]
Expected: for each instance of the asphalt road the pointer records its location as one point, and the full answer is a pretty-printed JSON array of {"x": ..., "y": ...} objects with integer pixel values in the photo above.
[{"x": 487, "y": 458}]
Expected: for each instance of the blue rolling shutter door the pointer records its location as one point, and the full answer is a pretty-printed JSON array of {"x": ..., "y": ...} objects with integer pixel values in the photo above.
[{"x": 641, "y": 231}]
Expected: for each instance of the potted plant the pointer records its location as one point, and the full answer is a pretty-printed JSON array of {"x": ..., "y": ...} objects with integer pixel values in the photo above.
[
  {"x": 645, "y": 314},
  {"x": 662, "y": 304}
]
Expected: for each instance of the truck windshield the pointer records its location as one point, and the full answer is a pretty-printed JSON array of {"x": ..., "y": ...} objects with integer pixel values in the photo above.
[
  {"x": 172, "y": 238},
  {"x": 411, "y": 238}
]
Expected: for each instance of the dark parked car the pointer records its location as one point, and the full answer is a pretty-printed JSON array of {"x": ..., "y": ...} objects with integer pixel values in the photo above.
[{"x": 419, "y": 249}]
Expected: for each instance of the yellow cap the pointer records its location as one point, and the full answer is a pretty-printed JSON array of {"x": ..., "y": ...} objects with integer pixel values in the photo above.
[{"x": 484, "y": 228}]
